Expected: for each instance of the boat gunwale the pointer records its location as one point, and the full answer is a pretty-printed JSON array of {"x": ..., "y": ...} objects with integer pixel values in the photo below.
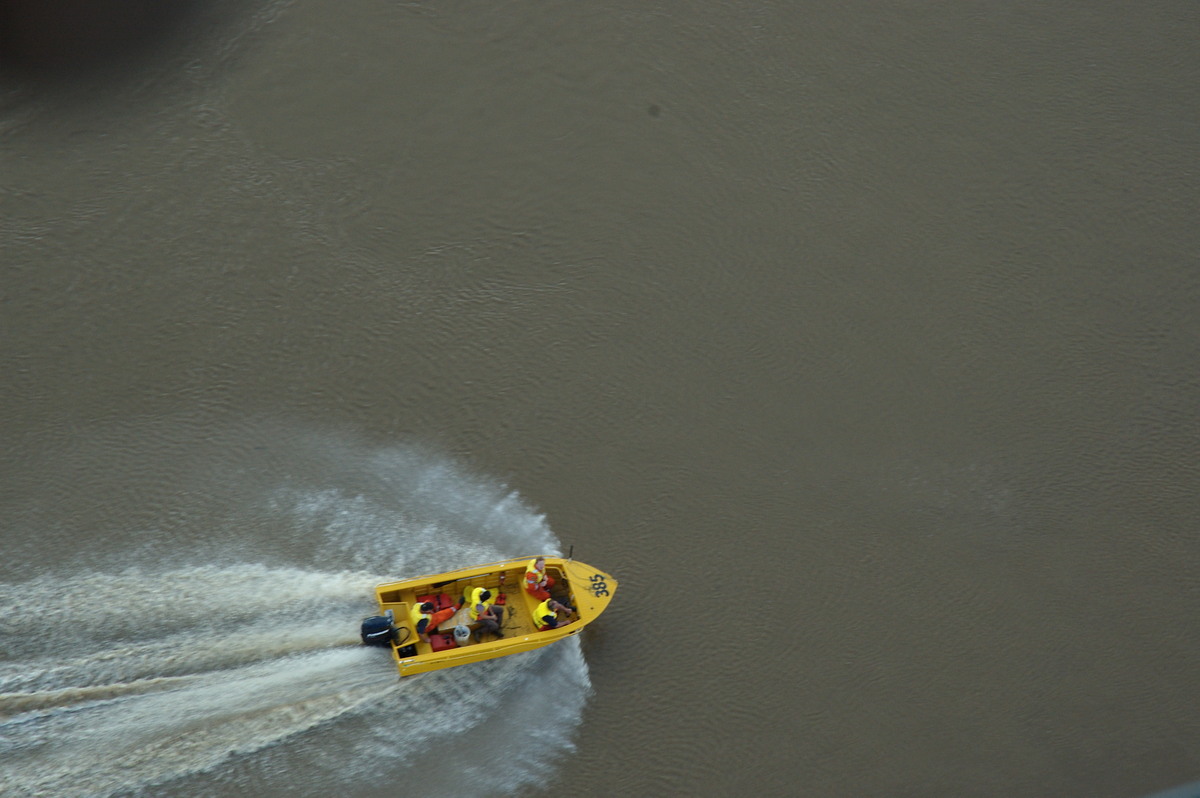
[{"x": 465, "y": 573}]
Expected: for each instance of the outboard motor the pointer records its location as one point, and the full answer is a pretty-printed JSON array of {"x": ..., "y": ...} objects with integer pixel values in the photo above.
[{"x": 378, "y": 631}]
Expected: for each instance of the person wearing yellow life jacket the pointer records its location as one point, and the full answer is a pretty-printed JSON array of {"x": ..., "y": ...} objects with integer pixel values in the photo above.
[
  {"x": 487, "y": 617},
  {"x": 546, "y": 615},
  {"x": 426, "y": 621},
  {"x": 537, "y": 581}
]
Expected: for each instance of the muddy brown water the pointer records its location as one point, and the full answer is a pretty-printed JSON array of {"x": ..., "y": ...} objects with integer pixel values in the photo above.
[{"x": 860, "y": 343}]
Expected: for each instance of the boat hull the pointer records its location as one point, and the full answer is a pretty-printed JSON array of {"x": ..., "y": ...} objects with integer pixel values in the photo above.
[{"x": 583, "y": 587}]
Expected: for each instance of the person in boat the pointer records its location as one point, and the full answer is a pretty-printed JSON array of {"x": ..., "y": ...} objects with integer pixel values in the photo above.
[
  {"x": 485, "y": 615},
  {"x": 537, "y": 581},
  {"x": 426, "y": 620},
  {"x": 546, "y": 615}
]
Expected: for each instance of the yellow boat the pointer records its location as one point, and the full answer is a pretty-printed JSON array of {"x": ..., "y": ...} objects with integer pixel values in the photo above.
[{"x": 584, "y": 589}]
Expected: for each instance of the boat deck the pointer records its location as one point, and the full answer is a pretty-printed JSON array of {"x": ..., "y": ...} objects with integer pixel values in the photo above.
[{"x": 518, "y": 605}]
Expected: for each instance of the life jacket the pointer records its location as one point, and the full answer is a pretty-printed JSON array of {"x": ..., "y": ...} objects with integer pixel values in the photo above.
[
  {"x": 534, "y": 577},
  {"x": 476, "y": 601},
  {"x": 543, "y": 612},
  {"x": 415, "y": 615}
]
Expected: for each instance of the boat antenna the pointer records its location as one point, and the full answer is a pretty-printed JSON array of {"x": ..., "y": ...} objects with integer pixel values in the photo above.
[{"x": 571, "y": 553}]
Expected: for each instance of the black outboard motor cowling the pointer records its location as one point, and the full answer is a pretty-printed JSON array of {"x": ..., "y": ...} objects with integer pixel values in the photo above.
[{"x": 378, "y": 631}]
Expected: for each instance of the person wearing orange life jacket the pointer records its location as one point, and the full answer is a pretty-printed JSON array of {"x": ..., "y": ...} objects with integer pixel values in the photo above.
[
  {"x": 426, "y": 621},
  {"x": 546, "y": 615},
  {"x": 485, "y": 615}
]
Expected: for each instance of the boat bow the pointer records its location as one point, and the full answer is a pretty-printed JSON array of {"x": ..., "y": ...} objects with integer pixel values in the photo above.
[{"x": 593, "y": 589}]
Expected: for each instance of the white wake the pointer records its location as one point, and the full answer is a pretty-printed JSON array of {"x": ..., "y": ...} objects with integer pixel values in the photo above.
[{"x": 195, "y": 677}]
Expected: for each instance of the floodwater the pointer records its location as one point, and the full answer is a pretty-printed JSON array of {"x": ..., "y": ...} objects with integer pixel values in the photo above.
[{"x": 860, "y": 342}]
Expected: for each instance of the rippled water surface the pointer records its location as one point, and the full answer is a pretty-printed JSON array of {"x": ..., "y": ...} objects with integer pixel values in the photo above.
[{"x": 860, "y": 343}]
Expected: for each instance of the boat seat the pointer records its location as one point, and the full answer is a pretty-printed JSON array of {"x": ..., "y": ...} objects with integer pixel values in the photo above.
[
  {"x": 529, "y": 603},
  {"x": 402, "y": 622},
  {"x": 463, "y": 616}
]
